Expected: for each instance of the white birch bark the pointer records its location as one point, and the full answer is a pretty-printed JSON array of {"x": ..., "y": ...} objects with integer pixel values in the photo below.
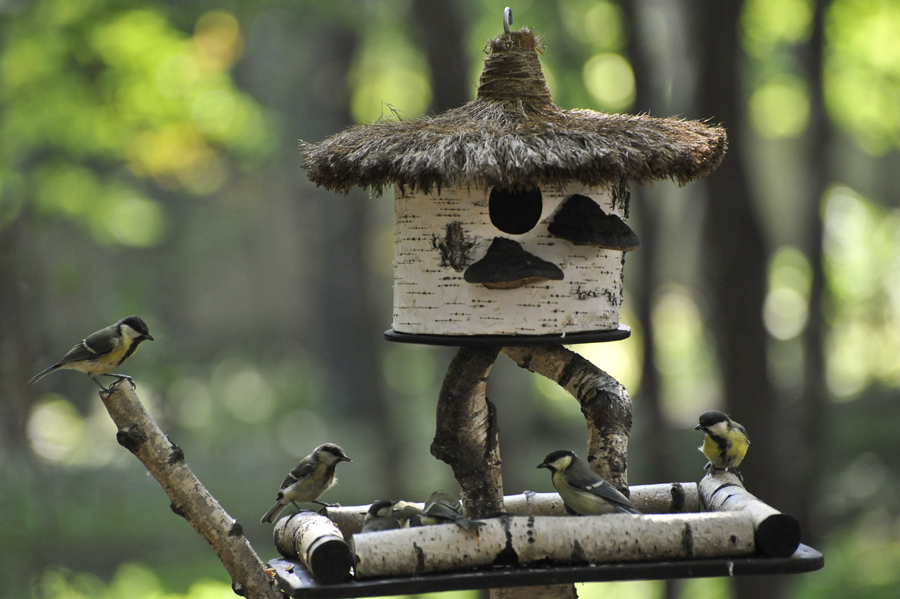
[
  {"x": 431, "y": 296},
  {"x": 663, "y": 498},
  {"x": 777, "y": 534},
  {"x": 520, "y": 540},
  {"x": 318, "y": 543}
]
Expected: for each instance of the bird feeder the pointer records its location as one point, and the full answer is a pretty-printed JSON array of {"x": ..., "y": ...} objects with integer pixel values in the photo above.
[
  {"x": 511, "y": 235},
  {"x": 511, "y": 212}
]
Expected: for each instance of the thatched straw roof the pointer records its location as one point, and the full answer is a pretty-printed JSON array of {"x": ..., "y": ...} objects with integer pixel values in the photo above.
[{"x": 513, "y": 136}]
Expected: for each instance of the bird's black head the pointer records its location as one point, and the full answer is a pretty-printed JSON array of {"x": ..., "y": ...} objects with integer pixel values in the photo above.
[
  {"x": 711, "y": 418},
  {"x": 137, "y": 323},
  {"x": 557, "y": 460},
  {"x": 335, "y": 453},
  {"x": 380, "y": 505}
]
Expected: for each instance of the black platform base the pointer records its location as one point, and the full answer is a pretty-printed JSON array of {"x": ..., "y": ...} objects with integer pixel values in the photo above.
[
  {"x": 622, "y": 332},
  {"x": 296, "y": 582}
]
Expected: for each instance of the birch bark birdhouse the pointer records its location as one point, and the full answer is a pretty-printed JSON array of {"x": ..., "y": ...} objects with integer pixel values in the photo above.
[{"x": 511, "y": 212}]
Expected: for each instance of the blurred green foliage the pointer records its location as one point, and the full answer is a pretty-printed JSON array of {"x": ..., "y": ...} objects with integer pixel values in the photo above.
[{"x": 147, "y": 149}]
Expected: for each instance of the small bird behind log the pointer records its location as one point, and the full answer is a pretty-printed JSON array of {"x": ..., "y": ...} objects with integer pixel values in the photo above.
[
  {"x": 380, "y": 517},
  {"x": 442, "y": 508}
]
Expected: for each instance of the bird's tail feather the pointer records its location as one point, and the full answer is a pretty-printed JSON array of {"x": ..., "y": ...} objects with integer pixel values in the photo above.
[
  {"x": 273, "y": 513},
  {"x": 42, "y": 374}
]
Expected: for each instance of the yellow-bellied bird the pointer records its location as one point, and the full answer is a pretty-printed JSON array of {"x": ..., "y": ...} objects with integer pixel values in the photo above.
[
  {"x": 582, "y": 490},
  {"x": 726, "y": 442},
  {"x": 104, "y": 351},
  {"x": 304, "y": 484}
]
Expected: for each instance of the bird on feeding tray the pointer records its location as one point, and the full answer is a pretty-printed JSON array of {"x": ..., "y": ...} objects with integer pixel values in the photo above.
[
  {"x": 103, "y": 351},
  {"x": 304, "y": 484},
  {"x": 725, "y": 444},
  {"x": 380, "y": 516},
  {"x": 442, "y": 508},
  {"x": 582, "y": 490}
]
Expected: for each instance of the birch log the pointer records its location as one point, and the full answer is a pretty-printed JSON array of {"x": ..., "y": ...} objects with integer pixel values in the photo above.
[
  {"x": 777, "y": 534},
  {"x": 605, "y": 404},
  {"x": 667, "y": 498},
  {"x": 572, "y": 540},
  {"x": 467, "y": 437},
  {"x": 140, "y": 435},
  {"x": 318, "y": 543}
]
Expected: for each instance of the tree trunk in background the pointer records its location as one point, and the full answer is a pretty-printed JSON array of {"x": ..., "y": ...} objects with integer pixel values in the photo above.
[
  {"x": 17, "y": 342},
  {"x": 648, "y": 405},
  {"x": 346, "y": 329},
  {"x": 441, "y": 32},
  {"x": 736, "y": 270},
  {"x": 812, "y": 421}
]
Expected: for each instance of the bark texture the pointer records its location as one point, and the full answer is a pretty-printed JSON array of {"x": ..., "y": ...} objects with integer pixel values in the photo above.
[
  {"x": 318, "y": 543},
  {"x": 776, "y": 534},
  {"x": 605, "y": 404},
  {"x": 467, "y": 436},
  {"x": 569, "y": 540}
]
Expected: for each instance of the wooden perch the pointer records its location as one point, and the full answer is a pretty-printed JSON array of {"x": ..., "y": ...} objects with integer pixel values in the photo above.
[
  {"x": 666, "y": 498},
  {"x": 569, "y": 540},
  {"x": 467, "y": 437},
  {"x": 318, "y": 543},
  {"x": 777, "y": 534},
  {"x": 140, "y": 435},
  {"x": 605, "y": 404}
]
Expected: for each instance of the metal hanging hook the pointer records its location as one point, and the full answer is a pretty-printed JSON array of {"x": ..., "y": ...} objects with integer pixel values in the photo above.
[{"x": 507, "y": 19}]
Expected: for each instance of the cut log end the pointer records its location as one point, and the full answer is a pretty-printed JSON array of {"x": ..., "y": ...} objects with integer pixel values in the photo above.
[
  {"x": 778, "y": 535},
  {"x": 331, "y": 560}
]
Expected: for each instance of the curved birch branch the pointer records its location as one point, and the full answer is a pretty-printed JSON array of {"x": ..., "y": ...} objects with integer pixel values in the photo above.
[
  {"x": 140, "y": 435},
  {"x": 604, "y": 401},
  {"x": 467, "y": 437}
]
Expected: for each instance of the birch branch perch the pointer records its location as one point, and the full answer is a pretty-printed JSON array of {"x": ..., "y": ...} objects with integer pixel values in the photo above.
[
  {"x": 777, "y": 534},
  {"x": 519, "y": 540},
  {"x": 140, "y": 435},
  {"x": 605, "y": 404},
  {"x": 318, "y": 543},
  {"x": 667, "y": 498},
  {"x": 467, "y": 437}
]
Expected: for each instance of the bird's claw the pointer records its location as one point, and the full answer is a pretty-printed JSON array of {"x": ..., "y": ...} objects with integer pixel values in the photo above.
[{"x": 115, "y": 384}]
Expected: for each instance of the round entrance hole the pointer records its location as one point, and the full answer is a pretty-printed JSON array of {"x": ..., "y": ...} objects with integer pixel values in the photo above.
[{"x": 515, "y": 212}]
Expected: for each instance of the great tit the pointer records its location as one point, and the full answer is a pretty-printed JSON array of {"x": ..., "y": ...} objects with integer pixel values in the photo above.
[
  {"x": 409, "y": 514},
  {"x": 381, "y": 517},
  {"x": 313, "y": 476},
  {"x": 725, "y": 443},
  {"x": 102, "y": 352},
  {"x": 582, "y": 490},
  {"x": 442, "y": 508}
]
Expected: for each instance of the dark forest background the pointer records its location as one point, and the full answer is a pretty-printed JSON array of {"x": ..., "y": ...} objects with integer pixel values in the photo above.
[{"x": 149, "y": 165}]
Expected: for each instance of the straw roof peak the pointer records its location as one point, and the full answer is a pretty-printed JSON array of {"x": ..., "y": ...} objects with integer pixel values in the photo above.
[{"x": 513, "y": 135}]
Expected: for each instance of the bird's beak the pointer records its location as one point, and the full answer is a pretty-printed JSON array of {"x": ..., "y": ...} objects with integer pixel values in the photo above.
[
  {"x": 542, "y": 465},
  {"x": 698, "y": 428},
  {"x": 148, "y": 337},
  {"x": 346, "y": 459}
]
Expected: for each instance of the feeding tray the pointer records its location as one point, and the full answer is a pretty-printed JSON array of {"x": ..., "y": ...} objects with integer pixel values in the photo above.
[
  {"x": 295, "y": 581},
  {"x": 623, "y": 331}
]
